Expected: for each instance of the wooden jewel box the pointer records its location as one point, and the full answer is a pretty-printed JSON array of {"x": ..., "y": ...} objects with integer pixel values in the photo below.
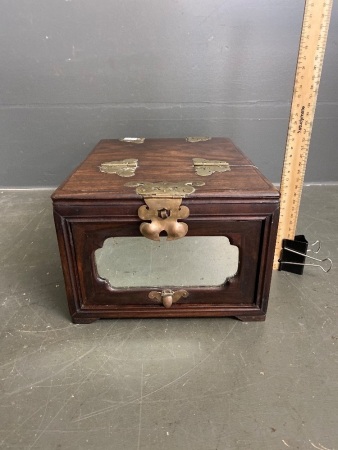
[{"x": 142, "y": 223}]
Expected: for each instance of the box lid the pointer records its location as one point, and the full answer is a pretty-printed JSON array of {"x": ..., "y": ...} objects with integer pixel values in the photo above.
[{"x": 166, "y": 160}]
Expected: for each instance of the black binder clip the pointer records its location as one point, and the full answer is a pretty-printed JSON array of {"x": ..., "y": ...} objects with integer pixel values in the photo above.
[{"x": 295, "y": 252}]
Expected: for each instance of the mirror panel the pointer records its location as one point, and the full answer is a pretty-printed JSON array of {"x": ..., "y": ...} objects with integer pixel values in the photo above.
[{"x": 199, "y": 261}]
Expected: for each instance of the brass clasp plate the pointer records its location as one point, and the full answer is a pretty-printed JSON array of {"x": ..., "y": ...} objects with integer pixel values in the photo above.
[
  {"x": 165, "y": 189},
  {"x": 206, "y": 167},
  {"x": 123, "y": 168}
]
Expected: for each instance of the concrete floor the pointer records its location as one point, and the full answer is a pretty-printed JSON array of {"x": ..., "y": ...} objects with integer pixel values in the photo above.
[{"x": 201, "y": 384}]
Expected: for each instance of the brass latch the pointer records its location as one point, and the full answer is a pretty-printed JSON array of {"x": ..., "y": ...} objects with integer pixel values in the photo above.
[
  {"x": 163, "y": 214},
  {"x": 123, "y": 168},
  {"x": 206, "y": 167},
  {"x": 163, "y": 208},
  {"x": 167, "y": 297}
]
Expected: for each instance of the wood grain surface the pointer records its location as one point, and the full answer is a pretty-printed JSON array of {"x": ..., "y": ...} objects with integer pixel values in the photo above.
[{"x": 166, "y": 160}]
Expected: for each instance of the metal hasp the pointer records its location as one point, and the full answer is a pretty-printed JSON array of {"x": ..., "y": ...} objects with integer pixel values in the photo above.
[
  {"x": 163, "y": 208},
  {"x": 163, "y": 214},
  {"x": 206, "y": 167},
  {"x": 123, "y": 168},
  {"x": 167, "y": 297}
]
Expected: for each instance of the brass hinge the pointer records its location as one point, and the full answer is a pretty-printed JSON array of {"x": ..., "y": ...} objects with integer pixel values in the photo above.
[
  {"x": 133, "y": 140},
  {"x": 206, "y": 167},
  {"x": 123, "y": 168},
  {"x": 194, "y": 139}
]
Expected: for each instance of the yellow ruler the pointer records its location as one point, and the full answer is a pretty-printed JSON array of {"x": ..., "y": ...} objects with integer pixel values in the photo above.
[{"x": 309, "y": 67}]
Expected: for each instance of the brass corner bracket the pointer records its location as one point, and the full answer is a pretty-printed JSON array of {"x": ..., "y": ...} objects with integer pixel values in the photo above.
[{"x": 123, "y": 168}]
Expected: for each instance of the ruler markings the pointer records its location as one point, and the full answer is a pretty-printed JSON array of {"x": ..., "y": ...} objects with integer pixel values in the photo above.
[{"x": 308, "y": 71}]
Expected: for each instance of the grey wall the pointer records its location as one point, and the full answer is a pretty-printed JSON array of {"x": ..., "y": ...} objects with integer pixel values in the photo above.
[{"x": 76, "y": 71}]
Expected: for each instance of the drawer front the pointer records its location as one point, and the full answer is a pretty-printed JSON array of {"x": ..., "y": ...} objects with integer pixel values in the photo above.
[{"x": 91, "y": 295}]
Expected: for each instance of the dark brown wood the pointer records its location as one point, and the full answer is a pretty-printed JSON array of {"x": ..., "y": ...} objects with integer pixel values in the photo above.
[
  {"x": 84, "y": 320},
  {"x": 165, "y": 160},
  {"x": 92, "y": 206}
]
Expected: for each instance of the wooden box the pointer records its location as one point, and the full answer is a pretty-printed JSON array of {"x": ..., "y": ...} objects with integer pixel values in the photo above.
[{"x": 179, "y": 188}]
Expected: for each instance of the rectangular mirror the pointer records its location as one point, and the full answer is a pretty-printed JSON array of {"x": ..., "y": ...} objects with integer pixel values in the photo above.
[{"x": 199, "y": 261}]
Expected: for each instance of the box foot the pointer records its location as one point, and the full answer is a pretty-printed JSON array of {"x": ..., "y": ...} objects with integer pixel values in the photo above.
[
  {"x": 84, "y": 320},
  {"x": 260, "y": 318}
]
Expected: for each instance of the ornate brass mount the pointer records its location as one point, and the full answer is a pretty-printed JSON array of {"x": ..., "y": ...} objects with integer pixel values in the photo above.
[
  {"x": 164, "y": 208},
  {"x": 165, "y": 189},
  {"x": 163, "y": 214},
  {"x": 123, "y": 168},
  {"x": 167, "y": 297},
  {"x": 206, "y": 167}
]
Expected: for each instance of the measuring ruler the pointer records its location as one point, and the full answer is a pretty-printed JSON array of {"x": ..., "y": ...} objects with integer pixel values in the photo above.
[{"x": 309, "y": 67}]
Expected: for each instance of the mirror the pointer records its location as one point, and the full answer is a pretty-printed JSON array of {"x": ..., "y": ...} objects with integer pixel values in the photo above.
[{"x": 130, "y": 262}]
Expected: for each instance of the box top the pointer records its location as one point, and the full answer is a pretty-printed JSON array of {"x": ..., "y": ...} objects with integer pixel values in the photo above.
[{"x": 166, "y": 160}]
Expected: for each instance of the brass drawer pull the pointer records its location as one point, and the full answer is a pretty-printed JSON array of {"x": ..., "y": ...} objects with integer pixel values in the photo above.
[{"x": 167, "y": 297}]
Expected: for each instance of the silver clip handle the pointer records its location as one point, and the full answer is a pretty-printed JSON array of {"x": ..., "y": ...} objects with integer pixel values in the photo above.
[
  {"x": 310, "y": 257},
  {"x": 318, "y": 243}
]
